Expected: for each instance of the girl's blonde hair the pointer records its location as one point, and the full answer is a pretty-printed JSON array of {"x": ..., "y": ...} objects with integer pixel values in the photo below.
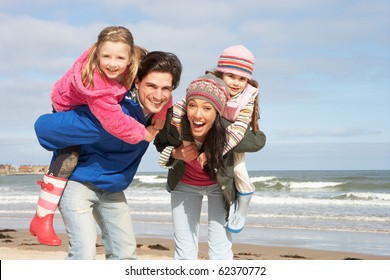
[{"x": 113, "y": 34}]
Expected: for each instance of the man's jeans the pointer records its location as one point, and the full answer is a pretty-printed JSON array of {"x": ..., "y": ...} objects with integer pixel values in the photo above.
[
  {"x": 186, "y": 203},
  {"x": 84, "y": 205}
]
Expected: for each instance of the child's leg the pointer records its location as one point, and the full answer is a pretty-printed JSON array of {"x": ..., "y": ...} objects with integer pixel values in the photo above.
[
  {"x": 241, "y": 176},
  {"x": 245, "y": 189},
  {"x": 53, "y": 185}
]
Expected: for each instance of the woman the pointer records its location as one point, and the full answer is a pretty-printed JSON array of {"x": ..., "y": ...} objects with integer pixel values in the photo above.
[{"x": 189, "y": 181}]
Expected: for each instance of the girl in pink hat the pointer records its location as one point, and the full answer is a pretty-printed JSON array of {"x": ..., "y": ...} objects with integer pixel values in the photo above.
[{"x": 235, "y": 68}]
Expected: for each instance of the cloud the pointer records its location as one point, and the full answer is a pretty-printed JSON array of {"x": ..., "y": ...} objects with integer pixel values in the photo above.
[
  {"x": 336, "y": 132},
  {"x": 322, "y": 65},
  {"x": 320, "y": 156},
  {"x": 34, "y": 47}
]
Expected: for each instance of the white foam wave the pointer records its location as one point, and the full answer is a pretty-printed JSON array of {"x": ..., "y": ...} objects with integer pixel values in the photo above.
[
  {"x": 156, "y": 199},
  {"x": 310, "y": 185},
  {"x": 17, "y": 199},
  {"x": 349, "y": 218},
  {"x": 289, "y": 200},
  {"x": 369, "y": 196},
  {"x": 320, "y": 228},
  {"x": 150, "y": 179},
  {"x": 152, "y": 213},
  {"x": 262, "y": 179},
  {"x": 19, "y": 211}
]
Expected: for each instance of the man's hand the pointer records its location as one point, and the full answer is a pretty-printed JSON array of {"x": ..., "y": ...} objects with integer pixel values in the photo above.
[
  {"x": 158, "y": 124},
  {"x": 152, "y": 132}
]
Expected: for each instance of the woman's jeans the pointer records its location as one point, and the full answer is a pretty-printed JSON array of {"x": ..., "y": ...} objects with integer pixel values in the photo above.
[
  {"x": 84, "y": 205},
  {"x": 186, "y": 203}
]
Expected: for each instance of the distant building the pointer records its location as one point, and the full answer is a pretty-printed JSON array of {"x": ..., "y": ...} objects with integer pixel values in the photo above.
[
  {"x": 39, "y": 168},
  {"x": 5, "y": 168},
  {"x": 25, "y": 169},
  {"x": 8, "y": 169}
]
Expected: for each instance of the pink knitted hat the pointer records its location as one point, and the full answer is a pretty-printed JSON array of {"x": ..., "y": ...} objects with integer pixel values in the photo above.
[
  {"x": 236, "y": 60},
  {"x": 211, "y": 89}
]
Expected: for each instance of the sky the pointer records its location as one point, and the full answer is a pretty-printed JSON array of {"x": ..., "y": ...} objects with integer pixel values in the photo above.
[{"x": 323, "y": 67}]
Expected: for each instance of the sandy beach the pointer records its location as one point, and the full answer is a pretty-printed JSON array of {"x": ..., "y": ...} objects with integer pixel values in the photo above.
[{"x": 20, "y": 245}]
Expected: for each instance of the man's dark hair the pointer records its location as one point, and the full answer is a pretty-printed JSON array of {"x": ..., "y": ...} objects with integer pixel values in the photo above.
[{"x": 164, "y": 62}]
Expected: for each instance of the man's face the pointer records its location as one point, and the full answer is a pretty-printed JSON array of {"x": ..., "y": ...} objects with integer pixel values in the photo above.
[{"x": 154, "y": 91}]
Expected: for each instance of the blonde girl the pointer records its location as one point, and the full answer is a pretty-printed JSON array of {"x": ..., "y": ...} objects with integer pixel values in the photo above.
[{"x": 99, "y": 78}]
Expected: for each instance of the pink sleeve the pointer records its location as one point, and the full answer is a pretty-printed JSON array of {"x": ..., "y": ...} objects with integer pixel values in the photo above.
[
  {"x": 162, "y": 114},
  {"x": 109, "y": 113}
]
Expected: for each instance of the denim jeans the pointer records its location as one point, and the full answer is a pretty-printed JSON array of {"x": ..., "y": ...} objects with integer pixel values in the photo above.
[
  {"x": 84, "y": 205},
  {"x": 186, "y": 203}
]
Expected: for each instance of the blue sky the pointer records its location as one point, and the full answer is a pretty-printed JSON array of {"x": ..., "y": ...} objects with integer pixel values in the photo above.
[{"x": 323, "y": 69}]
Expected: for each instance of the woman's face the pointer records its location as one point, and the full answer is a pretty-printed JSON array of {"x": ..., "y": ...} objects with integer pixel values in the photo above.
[{"x": 201, "y": 115}]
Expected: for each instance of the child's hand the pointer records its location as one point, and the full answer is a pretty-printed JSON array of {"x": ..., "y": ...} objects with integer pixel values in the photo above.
[
  {"x": 202, "y": 159},
  {"x": 178, "y": 129},
  {"x": 185, "y": 153},
  {"x": 151, "y": 133},
  {"x": 158, "y": 124}
]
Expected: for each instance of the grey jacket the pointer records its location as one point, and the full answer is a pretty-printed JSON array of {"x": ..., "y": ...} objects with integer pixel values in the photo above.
[{"x": 169, "y": 136}]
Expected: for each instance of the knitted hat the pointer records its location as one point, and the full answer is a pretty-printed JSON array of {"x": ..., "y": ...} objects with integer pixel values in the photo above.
[
  {"x": 211, "y": 89},
  {"x": 236, "y": 60}
]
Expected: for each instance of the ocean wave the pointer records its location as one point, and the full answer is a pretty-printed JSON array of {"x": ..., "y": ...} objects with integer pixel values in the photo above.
[
  {"x": 17, "y": 199},
  {"x": 290, "y": 200},
  {"x": 349, "y": 218},
  {"x": 312, "y": 185},
  {"x": 262, "y": 179},
  {"x": 364, "y": 196},
  {"x": 152, "y": 213},
  {"x": 151, "y": 179},
  {"x": 293, "y": 185},
  {"x": 319, "y": 228},
  {"x": 150, "y": 199}
]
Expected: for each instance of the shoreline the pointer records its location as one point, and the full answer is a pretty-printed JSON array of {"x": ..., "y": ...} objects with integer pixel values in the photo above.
[{"x": 20, "y": 245}]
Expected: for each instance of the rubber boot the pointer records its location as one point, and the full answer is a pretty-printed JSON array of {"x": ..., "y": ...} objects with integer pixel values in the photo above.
[
  {"x": 41, "y": 225},
  {"x": 237, "y": 220}
]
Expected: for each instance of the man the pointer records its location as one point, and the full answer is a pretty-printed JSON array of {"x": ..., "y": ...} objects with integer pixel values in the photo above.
[{"x": 107, "y": 165}]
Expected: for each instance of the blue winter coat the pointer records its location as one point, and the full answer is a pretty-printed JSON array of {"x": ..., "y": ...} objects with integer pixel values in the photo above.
[{"x": 105, "y": 161}]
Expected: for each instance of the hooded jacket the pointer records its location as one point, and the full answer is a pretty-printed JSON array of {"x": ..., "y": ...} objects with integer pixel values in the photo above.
[
  {"x": 169, "y": 137},
  {"x": 105, "y": 161},
  {"x": 69, "y": 92}
]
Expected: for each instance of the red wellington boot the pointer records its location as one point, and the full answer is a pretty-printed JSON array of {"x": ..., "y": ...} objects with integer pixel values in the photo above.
[
  {"x": 42, "y": 228},
  {"x": 41, "y": 225}
]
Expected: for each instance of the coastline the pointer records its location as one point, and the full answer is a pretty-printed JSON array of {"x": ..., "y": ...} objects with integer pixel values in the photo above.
[{"x": 20, "y": 245}]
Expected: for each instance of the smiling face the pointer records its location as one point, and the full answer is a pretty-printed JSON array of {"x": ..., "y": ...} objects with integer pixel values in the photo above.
[
  {"x": 201, "y": 115},
  {"x": 235, "y": 83},
  {"x": 113, "y": 59},
  {"x": 154, "y": 91}
]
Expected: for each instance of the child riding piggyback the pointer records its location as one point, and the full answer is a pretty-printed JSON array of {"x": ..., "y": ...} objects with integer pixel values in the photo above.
[{"x": 235, "y": 68}]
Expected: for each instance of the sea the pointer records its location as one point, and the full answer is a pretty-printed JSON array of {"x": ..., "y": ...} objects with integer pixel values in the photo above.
[{"x": 346, "y": 211}]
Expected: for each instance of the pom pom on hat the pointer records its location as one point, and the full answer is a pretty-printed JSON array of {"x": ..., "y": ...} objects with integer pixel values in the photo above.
[
  {"x": 211, "y": 89},
  {"x": 236, "y": 60}
]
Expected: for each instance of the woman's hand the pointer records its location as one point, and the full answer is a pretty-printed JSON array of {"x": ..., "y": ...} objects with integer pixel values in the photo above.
[{"x": 185, "y": 153}]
